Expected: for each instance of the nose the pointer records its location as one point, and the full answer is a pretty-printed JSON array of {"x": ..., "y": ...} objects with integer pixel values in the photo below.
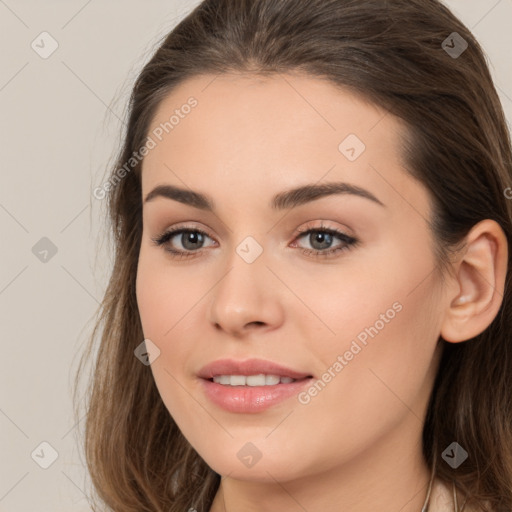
[{"x": 247, "y": 297}]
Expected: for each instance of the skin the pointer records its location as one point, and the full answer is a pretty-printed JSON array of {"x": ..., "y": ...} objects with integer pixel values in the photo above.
[{"x": 357, "y": 444}]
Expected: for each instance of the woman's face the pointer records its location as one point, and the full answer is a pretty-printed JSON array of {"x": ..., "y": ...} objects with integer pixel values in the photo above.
[{"x": 264, "y": 276}]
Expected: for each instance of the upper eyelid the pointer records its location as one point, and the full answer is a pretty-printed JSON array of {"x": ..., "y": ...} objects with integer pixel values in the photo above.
[{"x": 298, "y": 233}]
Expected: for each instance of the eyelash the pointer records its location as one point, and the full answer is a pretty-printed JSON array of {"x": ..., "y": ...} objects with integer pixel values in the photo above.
[{"x": 349, "y": 241}]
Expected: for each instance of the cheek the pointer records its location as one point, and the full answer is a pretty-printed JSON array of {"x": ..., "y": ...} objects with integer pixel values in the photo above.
[
  {"x": 163, "y": 303},
  {"x": 169, "y": 302},
  {"x": 165, "y": 295},
  {"x": 387, "y": 328},
  {"x": 385, "y": 301}
]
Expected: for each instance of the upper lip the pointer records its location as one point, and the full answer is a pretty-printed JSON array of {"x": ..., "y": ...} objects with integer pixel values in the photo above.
[{"x": 248, "y": 367}]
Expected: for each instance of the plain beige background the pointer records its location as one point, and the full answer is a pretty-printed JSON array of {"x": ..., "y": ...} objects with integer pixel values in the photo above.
[{"x": 61, "y": 122}]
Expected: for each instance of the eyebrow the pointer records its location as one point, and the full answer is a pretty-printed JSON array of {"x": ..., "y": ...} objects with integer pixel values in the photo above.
[{"x": 281, "y": 201}]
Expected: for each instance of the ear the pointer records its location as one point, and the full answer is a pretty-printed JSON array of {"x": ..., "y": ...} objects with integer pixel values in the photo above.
[{"x": 477, "y": 292}]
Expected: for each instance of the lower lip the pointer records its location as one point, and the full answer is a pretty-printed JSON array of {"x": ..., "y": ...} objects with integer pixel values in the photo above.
[{"x": 251, "y": 399}]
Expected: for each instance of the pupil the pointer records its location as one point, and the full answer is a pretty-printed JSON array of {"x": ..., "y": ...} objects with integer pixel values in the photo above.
[
  {"x": 323, "y": 237},
  {"x": 192, "y": 238}
]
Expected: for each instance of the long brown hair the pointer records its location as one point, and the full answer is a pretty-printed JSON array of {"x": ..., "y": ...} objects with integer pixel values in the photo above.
[{"x": 458, "y": 146}]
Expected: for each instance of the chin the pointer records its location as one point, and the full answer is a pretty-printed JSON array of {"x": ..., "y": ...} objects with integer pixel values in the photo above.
[{"x": 239, "y": 466}]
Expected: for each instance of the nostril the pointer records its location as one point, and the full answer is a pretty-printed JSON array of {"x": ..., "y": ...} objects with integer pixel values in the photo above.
[{"x": 257, "y": 323}]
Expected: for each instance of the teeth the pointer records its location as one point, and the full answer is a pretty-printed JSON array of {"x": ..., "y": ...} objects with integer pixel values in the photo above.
[
  {"x": 251, "y": 380},
  {"x": 271, "y": 380}
]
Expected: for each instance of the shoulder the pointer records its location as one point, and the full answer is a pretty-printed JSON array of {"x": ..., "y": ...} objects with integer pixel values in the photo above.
[{"x": 442, "y": 499}]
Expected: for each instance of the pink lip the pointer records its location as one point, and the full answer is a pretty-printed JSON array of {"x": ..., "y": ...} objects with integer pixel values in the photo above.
[
  {"x": 247, "y": 367},
  {"x": 249, "y": 399}
]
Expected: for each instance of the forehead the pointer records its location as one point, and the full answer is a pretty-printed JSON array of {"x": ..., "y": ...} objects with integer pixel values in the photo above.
[
  {"x": 264, "y": 134},
  {"x": 252, "y": 108}
]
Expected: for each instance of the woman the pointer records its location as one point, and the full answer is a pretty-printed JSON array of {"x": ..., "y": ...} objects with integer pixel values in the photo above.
[{"x": 309, "y": 307}]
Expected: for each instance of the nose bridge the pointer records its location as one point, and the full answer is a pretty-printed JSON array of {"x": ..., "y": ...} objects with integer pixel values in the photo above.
[
  {"x": 244, "y": 294},
  {"x": 248, "y": 242},
  {"x": 245, "y": 273}
]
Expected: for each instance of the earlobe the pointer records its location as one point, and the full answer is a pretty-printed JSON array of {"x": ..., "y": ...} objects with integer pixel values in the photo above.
[{"x": 480, "y": 279}]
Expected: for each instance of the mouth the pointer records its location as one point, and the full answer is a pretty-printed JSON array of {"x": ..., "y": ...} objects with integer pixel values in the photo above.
[
  {"x": 254, "y": 380},
  {"x": 250, "y": 386},
  {"x": 249, "y": 372},
  {"x": 245, "y": 395}
]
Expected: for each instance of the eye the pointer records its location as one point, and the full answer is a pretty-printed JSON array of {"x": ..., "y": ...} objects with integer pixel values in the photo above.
[
  {"x": 192, "y": 240},
  {"x": 321, "y": 239}
]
